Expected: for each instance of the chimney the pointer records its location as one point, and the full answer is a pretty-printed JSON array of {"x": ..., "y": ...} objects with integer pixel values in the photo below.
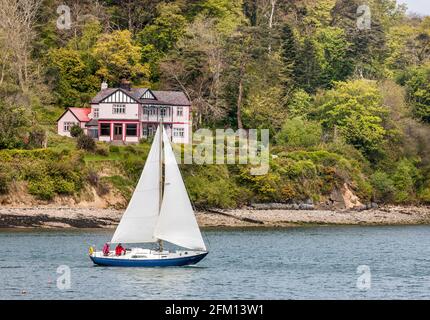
[
  {"x": 125, "y": 84},
  {"x": 104, "y": 85}
]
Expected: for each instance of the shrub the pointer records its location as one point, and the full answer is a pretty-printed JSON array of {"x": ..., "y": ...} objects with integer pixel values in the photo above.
[
  {"x": 102, "y": 188},
  {"x": 93, "y": 178},
  {"x": 113, "y": 148},
  {"x": 5, "y": 179},
  {"x": 383, "y": 186},
  {"x": 64, "y": 187},
  {"x": 404, "y": 179},
  {"x": 299, "y": 133},
  {"x": 424, "y": 195},
  {"x": 130, "y": 149},
  {"x": 102, "y": 151},
  {"x": 86, "y": 143},
  {"x": 37, "y": 137},
  {"x": 43, "y": 189},
  {"x": 76, "y": 131}
]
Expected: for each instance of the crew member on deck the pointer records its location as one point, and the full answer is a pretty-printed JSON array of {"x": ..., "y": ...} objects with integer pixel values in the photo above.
[
  {"x": 119, "y": 250},
  {"x": 106, "y": 249}
]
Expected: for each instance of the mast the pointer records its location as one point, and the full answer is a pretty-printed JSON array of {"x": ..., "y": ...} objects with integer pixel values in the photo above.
[{"x": 160, "y": 242}]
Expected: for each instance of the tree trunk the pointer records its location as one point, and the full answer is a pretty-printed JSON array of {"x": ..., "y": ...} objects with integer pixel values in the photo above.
[
  {"x": 239, "y": 98},
  {"x": 272, "y": 13}
]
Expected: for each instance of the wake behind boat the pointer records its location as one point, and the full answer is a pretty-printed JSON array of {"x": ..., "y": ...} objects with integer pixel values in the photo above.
[{"x": 157, "y": 212}]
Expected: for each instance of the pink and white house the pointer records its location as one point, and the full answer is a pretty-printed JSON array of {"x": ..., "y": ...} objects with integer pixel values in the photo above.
[
  {"x": 128, "y": 114},
  {"x": 71, "y": 117}
]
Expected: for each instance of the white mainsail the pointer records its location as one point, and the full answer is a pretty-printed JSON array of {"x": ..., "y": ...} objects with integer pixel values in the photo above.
[
  {"x": 139, "y": 220},
  {"x": 177, "y": 223}
]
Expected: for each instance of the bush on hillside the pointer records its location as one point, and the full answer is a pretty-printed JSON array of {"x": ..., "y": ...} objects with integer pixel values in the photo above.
[
  {"x": 37, "y": 137},
  {"x": 299, "y": 133},
  {"x": 5, "y": 179},
  {"x": 43, "y": 189},
  {"x": 86, "y": 143},
  {"x": 102, "y": 150},
  {"x": 113, "y": 149},
  {"x": 76, "y": 131}
]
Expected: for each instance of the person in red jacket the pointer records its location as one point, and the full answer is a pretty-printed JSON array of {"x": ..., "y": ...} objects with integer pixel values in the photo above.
[{"x": 119, "y": 250}]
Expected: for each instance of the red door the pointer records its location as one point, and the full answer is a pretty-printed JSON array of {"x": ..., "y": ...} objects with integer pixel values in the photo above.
[{"x": 117, "y": 131}]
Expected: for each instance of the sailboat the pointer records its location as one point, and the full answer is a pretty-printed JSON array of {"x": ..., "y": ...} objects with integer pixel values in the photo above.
[{"x": 158, "y": 211}]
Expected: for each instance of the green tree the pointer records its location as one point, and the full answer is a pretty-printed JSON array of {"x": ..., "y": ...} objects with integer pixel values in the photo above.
[
  {"x": 264, "y": 109},
  {"x": 13, "y": 124},
  {"x": 118, "y": 57},
  {"x": 228, "y": 14},
  {"x": 355, "y": 111},
  {"x": 72, "y": 79},
  {"x": 308, "y": 68},
  {"x": 289, "y": 48},
  {"x": 160, "y": 36},
  {"x": 417, "y": 82},
  {"x": 297, "y": 132}
]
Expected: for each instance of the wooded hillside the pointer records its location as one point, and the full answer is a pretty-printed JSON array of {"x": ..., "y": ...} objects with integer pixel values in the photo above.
[{"x": 344, "y": 103}]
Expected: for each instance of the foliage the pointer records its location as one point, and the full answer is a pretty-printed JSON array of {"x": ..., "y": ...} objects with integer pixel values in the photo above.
[
  {"x": 76, "y": 131},
  {"x": 5, "y": 179},
  {"x": 297, "y": 132},
  {"x": 86, "y": 143},
  {"x": 355, "y": 110},
  {"x": 417, "y": 82},
  {"x": 118, "y": 57},
  {"x": 37, "y": 137},
  {"x": 302, "y": 69},
  {"x": 13, "y": 120}
]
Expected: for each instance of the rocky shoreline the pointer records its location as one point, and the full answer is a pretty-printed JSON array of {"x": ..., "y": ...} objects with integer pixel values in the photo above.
[{"x": 73, "y": 217}]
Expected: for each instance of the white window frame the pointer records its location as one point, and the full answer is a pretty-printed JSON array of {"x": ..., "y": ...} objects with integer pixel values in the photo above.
[
  {"x": 96, "y": 113},
  {"x": 68, "y": 124},
  {"x": 118, "y": 109},
  {"x": 180, "y": 112},
  {"x": 179, "y": 132}
]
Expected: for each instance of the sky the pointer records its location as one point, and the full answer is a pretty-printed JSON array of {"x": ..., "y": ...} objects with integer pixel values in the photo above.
[{"x": 417, "y": 6}]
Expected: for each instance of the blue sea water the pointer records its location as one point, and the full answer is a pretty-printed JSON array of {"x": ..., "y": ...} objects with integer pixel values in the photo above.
[{"x": 293, "y": 263}]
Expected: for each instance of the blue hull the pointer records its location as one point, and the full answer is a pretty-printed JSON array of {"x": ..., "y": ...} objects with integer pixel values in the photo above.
[{"x": 174, "y": 262}]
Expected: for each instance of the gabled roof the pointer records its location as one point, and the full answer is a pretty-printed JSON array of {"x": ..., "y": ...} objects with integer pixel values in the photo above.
[
  {"x": 81, "y": 114},
  {"x": 161, "y": 97}
]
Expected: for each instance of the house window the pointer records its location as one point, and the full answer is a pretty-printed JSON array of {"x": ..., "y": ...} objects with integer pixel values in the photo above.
[
  {"x": 131, "y": 129},
  {"x": 144, "y": 131},
  {"x": 178, "y": 132},
  {"x": 93, "y": 132},
  {"x": 118, "y": 109},
  {"x": 105, "y": 129},
  {"x": 180, "y": 112},
  {"x": 96, "y": 113},
  {"x": 163, "y": 112},
  {"x": 68, "y": 125},
  {"x": 149, "y": 111}
]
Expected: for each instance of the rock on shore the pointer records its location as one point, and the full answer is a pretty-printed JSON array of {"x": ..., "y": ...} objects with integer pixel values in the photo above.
[{"x": 67, "y": 217}]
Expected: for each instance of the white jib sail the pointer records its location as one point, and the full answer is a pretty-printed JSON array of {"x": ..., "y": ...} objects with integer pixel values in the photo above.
[
  {"x": 139, "y": 220},
  {"x": 177, "y": 223}
]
